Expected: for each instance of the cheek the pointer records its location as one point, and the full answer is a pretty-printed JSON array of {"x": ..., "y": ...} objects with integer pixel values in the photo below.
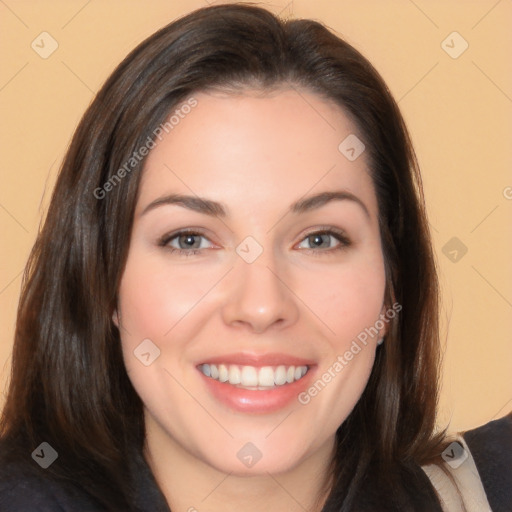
[
  {"x": 346, "y": 300},
  {"x": 164, "y": 303},
  {"x": 154, "y": 297},
  {"x": 349, "y": 302}
]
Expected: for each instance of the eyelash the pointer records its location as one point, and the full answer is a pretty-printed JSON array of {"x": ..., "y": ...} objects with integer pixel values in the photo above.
[{"x": 337, "y": 234}]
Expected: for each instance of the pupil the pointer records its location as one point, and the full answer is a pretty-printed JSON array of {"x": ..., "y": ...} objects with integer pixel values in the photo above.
[
  {"x": 189, "y": 240},
  {"x": 317, "y": 239}
]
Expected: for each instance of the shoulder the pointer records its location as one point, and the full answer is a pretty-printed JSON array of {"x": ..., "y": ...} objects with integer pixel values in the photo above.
[
  {"x": 491, "y": 448},
  {"x": 476, "y": 471},
  {"x": 24, "y": 488}
]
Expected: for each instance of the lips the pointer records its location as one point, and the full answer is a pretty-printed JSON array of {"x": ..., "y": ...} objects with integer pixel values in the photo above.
[{"x": 258, "y": 360}]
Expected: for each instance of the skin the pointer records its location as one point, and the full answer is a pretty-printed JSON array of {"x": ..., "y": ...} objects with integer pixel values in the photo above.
[{"x": 257, "y": 154}]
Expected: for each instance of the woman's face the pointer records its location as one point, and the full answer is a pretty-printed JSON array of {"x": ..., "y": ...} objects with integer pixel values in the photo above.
[{"x": 262, "y": 291}]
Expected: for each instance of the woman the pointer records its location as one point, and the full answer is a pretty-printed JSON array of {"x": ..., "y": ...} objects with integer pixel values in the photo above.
[{"x": 289, "y": 359}]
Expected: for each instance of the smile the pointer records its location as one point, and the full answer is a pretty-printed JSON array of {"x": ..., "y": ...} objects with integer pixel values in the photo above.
[{"x": 252, "y": 377}]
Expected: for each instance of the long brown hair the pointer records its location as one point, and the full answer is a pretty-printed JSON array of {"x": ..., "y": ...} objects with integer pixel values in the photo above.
[{"x": 69, "y": 386}]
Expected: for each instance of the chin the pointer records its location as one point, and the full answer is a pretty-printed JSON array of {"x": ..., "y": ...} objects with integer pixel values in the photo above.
[{"x": 255, "y": 458}]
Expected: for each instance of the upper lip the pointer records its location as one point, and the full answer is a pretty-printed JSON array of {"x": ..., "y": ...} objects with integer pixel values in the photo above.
[{"x": 268, "y": 359}]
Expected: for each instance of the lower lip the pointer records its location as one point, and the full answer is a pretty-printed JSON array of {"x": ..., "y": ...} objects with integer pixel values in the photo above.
[{"x": 257, "y": 401}]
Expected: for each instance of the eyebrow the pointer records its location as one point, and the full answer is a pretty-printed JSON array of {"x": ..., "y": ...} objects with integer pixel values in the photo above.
[{"x": 216, "y": 209}]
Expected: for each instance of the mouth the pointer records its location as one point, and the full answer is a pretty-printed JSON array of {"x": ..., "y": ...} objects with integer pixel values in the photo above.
[
  {"x": 252, "y": 377},
  {"x": 256, "y": 384}
]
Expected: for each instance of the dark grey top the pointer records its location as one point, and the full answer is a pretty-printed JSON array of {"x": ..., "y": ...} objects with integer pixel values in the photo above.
[{"x": 25, "y": 488}]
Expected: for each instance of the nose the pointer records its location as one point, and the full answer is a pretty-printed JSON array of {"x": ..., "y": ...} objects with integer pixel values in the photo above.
[{"x": 258, "y": 296}]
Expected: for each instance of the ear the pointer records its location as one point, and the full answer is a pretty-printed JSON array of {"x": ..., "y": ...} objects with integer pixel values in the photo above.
[
  {"x": 386, "y": 321},
  {"x": 115, "y": 318}
]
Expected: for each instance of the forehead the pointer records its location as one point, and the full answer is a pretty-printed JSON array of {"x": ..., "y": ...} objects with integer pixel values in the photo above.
[{"x": 266, "y": 148}]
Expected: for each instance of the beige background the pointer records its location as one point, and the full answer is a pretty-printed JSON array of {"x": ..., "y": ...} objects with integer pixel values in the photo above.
[{"x": 458, "y": 111}]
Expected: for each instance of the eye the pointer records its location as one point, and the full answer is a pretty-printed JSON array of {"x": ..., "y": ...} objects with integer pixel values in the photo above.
[
  {"x": 185, "y": 242},
  {"x": 322, "y": 240},
  {"x": 189, "y": 242}
]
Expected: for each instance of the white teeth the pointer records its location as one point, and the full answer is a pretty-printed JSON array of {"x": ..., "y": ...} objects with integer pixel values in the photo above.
[
  {"x": 280, "y": 375},
  {"x": 252, "y": 377},
  {"x": 266, "y": 376},
  {"x": 234, "y": 375},
  {"x": 223, "y": 372},
  {"x": 249, "y": 376}
]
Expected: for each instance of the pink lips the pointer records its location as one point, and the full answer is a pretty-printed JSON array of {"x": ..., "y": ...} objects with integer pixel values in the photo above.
[
  {"x": 247, "y": 359},
  {"x": 258, "y": 401}
]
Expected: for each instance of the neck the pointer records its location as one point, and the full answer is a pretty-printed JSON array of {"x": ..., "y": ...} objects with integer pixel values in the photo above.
[{"x": 190, "y": 484}]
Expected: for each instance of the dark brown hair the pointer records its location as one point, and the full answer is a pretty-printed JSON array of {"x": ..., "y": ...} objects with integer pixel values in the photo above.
[{"x": 69, "y": 386}]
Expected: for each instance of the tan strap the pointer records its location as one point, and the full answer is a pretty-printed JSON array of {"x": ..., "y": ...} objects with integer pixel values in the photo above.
[{"x": 467, "y": 479}]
